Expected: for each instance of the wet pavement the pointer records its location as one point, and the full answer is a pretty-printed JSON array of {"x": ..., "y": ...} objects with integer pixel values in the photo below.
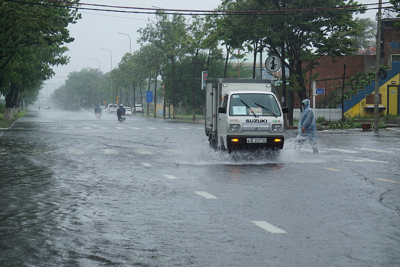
[{"x": 78, "y": 191}]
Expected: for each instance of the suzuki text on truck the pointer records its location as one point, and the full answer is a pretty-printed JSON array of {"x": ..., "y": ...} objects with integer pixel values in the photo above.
[{"x": 243, "y": 114}]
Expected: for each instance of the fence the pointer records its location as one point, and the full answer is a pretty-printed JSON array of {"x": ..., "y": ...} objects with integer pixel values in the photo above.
[{"x": 330, "y": 114}]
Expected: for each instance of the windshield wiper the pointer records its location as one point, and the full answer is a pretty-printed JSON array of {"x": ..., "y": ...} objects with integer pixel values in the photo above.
[
  {"x": 255, "y": 115},
  {"x": 267, "y": 110}
]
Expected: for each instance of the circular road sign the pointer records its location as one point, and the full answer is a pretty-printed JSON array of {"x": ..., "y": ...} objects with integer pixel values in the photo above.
[{"x": 273, "y": 63}]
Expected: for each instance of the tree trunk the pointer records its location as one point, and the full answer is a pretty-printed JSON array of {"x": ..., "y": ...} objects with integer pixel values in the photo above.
[
  {"x": 194, "y": 84},
  {"x": 254, "y": 59},
  {"x": 173, "y": 88},
  {"x": 11, "y": 101},
  {"x": 155, "y": 94},
  {"x": 226, "y": 60}
]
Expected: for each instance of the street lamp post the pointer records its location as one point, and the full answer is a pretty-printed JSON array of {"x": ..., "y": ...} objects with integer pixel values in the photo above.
[
  {"x": 130, "y": 41},
  {"x": 111, "y": 66},
  {"x": 98, "y": 74}
]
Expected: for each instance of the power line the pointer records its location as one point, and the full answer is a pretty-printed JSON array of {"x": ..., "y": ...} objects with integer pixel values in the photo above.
[{"x": 145, "y": 10}]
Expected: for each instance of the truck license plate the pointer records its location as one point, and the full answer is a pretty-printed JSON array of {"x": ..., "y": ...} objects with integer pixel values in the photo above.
[{"x": 256, "y": 140}]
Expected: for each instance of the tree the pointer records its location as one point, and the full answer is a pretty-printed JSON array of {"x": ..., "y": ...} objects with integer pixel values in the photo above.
[
  {"x": 300, "y": 37},
  {"x": 171, "y": 37},
  {"x": 32, "y": 36}
]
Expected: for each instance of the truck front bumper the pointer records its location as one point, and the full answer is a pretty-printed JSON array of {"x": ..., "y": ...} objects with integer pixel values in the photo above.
[{"x": 248, "y": 142}]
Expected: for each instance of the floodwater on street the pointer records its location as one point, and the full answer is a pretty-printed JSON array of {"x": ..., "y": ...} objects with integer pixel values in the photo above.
[{"x": 81, "y": 191}]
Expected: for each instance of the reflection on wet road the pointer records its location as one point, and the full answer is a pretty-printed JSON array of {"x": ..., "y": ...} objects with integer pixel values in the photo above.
[{"x": 76, "y": 191}]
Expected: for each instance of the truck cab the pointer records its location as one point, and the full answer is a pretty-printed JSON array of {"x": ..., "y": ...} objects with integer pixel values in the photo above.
[{"x": 243, "y": 114}]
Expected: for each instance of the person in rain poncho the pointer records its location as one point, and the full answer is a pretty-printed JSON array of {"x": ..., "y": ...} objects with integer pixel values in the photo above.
[{"x": 307, "y": 126}]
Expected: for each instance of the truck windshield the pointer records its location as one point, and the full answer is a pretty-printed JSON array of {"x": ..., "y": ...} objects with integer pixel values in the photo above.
[{"x": 253, "y": 104}]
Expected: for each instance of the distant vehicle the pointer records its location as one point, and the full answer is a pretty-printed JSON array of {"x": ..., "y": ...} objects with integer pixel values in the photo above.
[
  {"x": 128, "y": 111},
  {"x": 47, "y": 107},
  {"x": 139, "y": 108},
  {"x": 112, "y": 108}
]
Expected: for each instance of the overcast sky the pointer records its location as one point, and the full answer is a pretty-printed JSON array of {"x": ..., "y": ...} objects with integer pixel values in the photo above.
[{"x": 97, "y": 30}]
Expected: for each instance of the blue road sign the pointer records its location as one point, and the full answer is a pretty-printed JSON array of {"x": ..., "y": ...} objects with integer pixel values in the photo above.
[
  {"x": 149, "y": 96},
  {"x": 320, "y": 91}
]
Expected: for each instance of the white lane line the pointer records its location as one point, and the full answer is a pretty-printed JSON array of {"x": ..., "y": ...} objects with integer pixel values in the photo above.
[
  {"x": 168, "y": 128},
  {"x": 185, "y": 128},
  {"x": 364, "y": 160},
  {"x": 75, "y": 151},
  {"x": 135, "y": 128},
  {"x": 151, "y": 128},
  {"x": 344, "y": 150},
  {"x": 119, "y": 128},
  {"x": 174, "y": 151},
  {"x": 110, "y": 151},
  {"x": 144, "y": 151},
  {"x": 269, "y": 227},
  {"x": 376, "y": 150},
  {"x": 146, "y": 164},
  {"x": 87, "y": 128},
  {"x": 171, "y": 177},
  {"x": 206, "y": 195}
]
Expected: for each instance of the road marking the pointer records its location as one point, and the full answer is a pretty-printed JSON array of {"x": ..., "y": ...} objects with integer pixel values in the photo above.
[
  {"x": 387, "y": 180},
  {"x": 75, "y": 151},
  {"x": 171, "y": 177},
  {"x": 185, "y": 128},
  {"x": 174, "y": 151},
  {"x": 144, "y": 151},
  {"x": 119, "y": 128},
  {"x": 146, "y": 164},
  {"x": 70, "y": 128},
  {"x": 333, "y": 170},
  {"x": 87, "y": 128},
  {"x": 364, "y": 160},
  {"x": 269, "y": 227},
  {"x": 206, "y": 195},
  {"x": 344, "y": 150},
  {"x": 168, "y": 128},
  {"x": 135, "y": 128},
  {"x": 151, "y": 128},
  {"x": 376, "y": 150},
  {"x": 110, "y": 151}
]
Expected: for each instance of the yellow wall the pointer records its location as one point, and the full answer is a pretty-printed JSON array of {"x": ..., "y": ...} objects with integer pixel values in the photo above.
[{"x": 359, "y": 109}]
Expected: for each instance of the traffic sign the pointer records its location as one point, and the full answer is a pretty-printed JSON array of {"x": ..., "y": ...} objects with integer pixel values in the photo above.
[
  {"x": 149, "y": 96},
  {"x": 273, "y": 63},
  {"x": 320, "y": 91}
]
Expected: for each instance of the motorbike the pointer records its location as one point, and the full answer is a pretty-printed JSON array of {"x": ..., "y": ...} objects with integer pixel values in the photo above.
[
  {"x": 121, "y": 118},
  {"x": 98, "y": 114}
]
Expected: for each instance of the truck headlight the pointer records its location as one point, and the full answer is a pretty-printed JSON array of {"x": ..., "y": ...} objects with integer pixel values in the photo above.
[
  {"x": 234, "y": 127},
  {"x": 277, "y": 127}
]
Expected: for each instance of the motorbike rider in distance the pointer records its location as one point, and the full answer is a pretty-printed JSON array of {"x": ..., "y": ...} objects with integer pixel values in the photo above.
[
  {"x": 97, "y": 110},
  {"x": 120, "y": 112}
]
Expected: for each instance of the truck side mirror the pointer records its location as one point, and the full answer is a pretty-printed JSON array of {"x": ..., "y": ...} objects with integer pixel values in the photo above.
[
  {"x": 285, "y": 110},
  {"x": 221, "y": 110}
]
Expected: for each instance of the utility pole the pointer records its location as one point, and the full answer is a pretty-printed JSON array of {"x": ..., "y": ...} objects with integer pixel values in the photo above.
[{"x": 378, "y": 59}]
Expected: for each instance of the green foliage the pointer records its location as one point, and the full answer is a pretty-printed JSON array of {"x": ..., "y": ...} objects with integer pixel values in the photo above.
[
  {"x": 320, "y": 119},
  {"x": 32, "y": 38},
  {"x": 340, "y": 124}
]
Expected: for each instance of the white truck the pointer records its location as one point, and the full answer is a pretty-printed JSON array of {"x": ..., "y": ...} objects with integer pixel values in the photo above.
[{"x": 243, "y": 114}]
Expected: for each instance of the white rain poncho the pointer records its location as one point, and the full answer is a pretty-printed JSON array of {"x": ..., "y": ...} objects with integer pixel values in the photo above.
[{"x": 307, "y": 120}]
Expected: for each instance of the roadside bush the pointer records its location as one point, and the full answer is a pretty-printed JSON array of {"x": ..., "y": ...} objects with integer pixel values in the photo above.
[{"x": 320, "y": 119}]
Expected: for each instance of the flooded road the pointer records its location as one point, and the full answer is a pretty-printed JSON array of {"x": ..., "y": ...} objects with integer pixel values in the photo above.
[{"x": 81, "y": 191}]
